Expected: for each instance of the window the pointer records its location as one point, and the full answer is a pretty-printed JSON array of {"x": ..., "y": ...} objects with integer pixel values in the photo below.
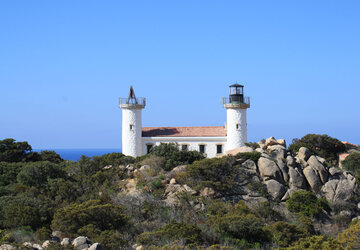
[
  {"x": 237, "y": 126},
  {"x": 202, "y": 148},
  {"x": 148, "y": 148},
  {"x": 131, "y": 127},
  {"x": 219, "y": 149},
  {"x": 184, "y": 147}
]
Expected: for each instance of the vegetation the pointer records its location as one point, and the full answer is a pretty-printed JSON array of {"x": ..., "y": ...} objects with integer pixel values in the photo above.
[
  {"x": 321, "y": 145},
  {"x": 117, "y": 201},
  {"x": 306, "y": 203},
  {"x": 352, "y": 163}
]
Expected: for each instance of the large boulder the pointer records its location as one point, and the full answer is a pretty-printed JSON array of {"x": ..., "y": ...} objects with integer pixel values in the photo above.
[
  {"x": 81, "y": 242},
  {"x": 250, "y": 166},
  {"x": 269, "y": 170},
  {"x": 65, "y": 242},
  {"x": 277, "y": 152},
  {"x": 243, "y": 149},
  {"x": 6, "y": 247},
  {"x": 270, "y": 141},
  {"x": 95, "y": 246},
  {"x": 339, "y": 190},
  {"x": 303, "y": 154},
  {"x": 281, "y": 142},
  {"x": 275, "y": 189},
  {"x": 297, "y": 180},
  {"x": 290, "y": 161},
  {"x": 284, "y": 170},
  {"x": 316, "y": 164},
  {"x": 312, "y": 178}
]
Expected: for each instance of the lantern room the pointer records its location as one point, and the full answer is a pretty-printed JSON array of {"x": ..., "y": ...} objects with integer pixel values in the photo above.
[{"x": 236, "y": 93}]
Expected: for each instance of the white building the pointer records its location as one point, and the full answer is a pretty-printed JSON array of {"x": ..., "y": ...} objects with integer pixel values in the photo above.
[{"x": 213, "y": 141}]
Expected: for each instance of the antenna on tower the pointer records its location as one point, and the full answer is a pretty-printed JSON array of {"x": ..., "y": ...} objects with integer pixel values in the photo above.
[{"x": 132, "y": 97}]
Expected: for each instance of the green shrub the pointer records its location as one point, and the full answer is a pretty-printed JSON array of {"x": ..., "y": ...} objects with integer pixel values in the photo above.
[
  {"x": 254, "y": 156},
  {"x": 174, "y": 156},
  {"x": 284, "y": 234},
  {"x": 103, "y": 216},
  {"x": 11, "y": 151},
  {"x": 306, "y": 203},
  {"x": 316, "y": 242},
  {"x": 352, "y": 163},
  {"x": 43, "y": 234},
  {"x": 216, "y": 173},
  {"x": 189, "y": 233},
  {"x": 322, "y": 145},
  {"x": 253, "y": 145}
]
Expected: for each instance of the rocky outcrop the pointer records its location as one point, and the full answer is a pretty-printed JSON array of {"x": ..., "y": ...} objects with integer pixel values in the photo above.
[
  {"x": 81, "y": 242},
  {"x": 269, "y": 170},
  {"x": 275, "y": 189}
]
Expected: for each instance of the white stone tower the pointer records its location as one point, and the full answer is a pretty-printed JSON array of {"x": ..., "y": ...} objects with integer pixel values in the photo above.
[
  {"x": 131, "y": 124},
  {"x": 236, "y": 126}
]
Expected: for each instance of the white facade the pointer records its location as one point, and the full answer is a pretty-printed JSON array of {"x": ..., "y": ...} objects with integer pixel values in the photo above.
[
  {"x": 213, "y": 146},
  {"x": 236, "y": 127},
  {"x": 131, "y": 131}
]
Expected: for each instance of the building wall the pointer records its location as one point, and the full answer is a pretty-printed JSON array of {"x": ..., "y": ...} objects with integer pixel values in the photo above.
[
  {"x": 192, "y": 142},
  {"x": 236, "y": 127},
  {"x": 131, "y": 137}
]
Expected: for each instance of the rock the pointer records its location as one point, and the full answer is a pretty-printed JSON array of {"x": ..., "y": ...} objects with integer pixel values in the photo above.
[
  {"x": 315, "y": 164},
  {"x": 260, "y": 150},
  {"x": 262, "y": 144},
  {"x": 27, "y": 244},
  {"x": 312, "y": 178},
  {"x": 175, "y": 171},
  {"x": 65, "y": 242},
  {"x": 284, "y": 170},
  {"x": 57, "y": 233},
  {"x": 345, "y": 213},
  {"x": 270, "y": 141},
  {"x": 334, "y": 171},
  {"x": 172, "y": 181},
  {"x": 339, "y": 190},
  {"x": 6, "y": 247},
  {"x": 55, "y": 239},
  {"x": 207, "y": 192},
  {"x": 107, "y": 167},
  {"x": 304, "y": 154},
  {"x": 269, "y": 169},
  {"x": 277, "y": 152},
  {"x": 290, "y": 161},
  {"x": 144, "y": 168},
  {"x": 140, "y": 248},
  {"x": 296, "y": 179},
  {"x": 281, "y": 142},
  {"x": 81, "y": 242},
  {"x": 189, "y": 189},
  {"x": 95, "y": 246},
  {"x": 37, "y": 246},
  {"x": 130, "y": 167},
  {"x": 250, "y": 166},
  {"x": 321, "y": 160},
  {"x": 275, "y": 189},
  {"x": 287, "y": 195},
  {"x": 243, "y": 149},
  {"x": 46, "y": 243},
  {"x": 122, "y": 167},
  {"x": 358, "y": 206}
]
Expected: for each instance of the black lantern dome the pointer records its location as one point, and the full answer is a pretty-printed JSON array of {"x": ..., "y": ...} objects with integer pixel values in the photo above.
[{"x": 236, "y": 93}]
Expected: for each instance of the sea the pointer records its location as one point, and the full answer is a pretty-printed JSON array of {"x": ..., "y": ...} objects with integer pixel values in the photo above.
[{"x": 74, "y": 154}]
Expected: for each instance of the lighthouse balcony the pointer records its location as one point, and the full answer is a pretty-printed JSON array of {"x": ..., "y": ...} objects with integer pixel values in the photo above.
[
  {"x": 236, "y": 102},
  {"x": 138, "y": 102}
]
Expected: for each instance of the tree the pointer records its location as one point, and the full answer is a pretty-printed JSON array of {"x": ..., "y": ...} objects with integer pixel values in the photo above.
[
  {"x": 352, "y": 163},
  {"x": 306, "y": 203},
  {"x": 322, "y": 242},
  {"x": 322, "y": 145},
  {"x": 350, "y": 238},
  {"x": 284, "y": 234},
  {"x": 11, "y": 151}
]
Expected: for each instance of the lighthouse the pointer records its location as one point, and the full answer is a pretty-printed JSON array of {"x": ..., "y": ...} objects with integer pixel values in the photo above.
[
  {"x": 236, "y": 126},
  {"x": 131, "y": 123}
]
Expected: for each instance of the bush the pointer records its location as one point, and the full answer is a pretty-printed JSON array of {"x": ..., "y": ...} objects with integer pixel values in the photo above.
[
  {"x": 322, "y": 145},
  {"x": 174, "y": 156},
  {"x": 253, "y": 145},
  {"x": 349, "y": 239},
  {"x": 316, "y": 242},
  {"x": 43, "y": 234},
  {"x": 284, "y": 234},
  {"x": 11, "y": 151},
  {"x": 189, "y": 233},
  {"x": 216, "y": 173},
  {"x": 76, "y": 216},
  {"x": 352, "y": 163},
  {"x": 306, "y": 203},
  {"x": 254, "y": 156}
]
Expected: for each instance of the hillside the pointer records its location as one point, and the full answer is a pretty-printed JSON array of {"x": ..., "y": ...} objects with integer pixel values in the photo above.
[{"x": 263, "y": 195}]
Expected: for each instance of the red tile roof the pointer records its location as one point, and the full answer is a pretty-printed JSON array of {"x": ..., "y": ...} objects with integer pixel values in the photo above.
[{"x": 183, "y": 131}]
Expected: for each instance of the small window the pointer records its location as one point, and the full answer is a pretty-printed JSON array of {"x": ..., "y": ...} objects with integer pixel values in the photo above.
[
  {"x": 148, "y": 148},
  {"x": 184, "y": 147},
  {"x": 202, "y": 148},
  {"x": 238, "y": 126},
  {"x": 131, "y": 127},
  {"x": 219, "y": 149}
]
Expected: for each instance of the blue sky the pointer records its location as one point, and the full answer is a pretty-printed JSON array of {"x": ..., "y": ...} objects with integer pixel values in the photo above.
[{"x": 63, "y": 65}]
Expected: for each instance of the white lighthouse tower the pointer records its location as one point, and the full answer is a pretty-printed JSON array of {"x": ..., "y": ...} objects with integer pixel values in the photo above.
[
  {"x": 236, "y": 126},
  {"x": 131, "y": 124}
]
